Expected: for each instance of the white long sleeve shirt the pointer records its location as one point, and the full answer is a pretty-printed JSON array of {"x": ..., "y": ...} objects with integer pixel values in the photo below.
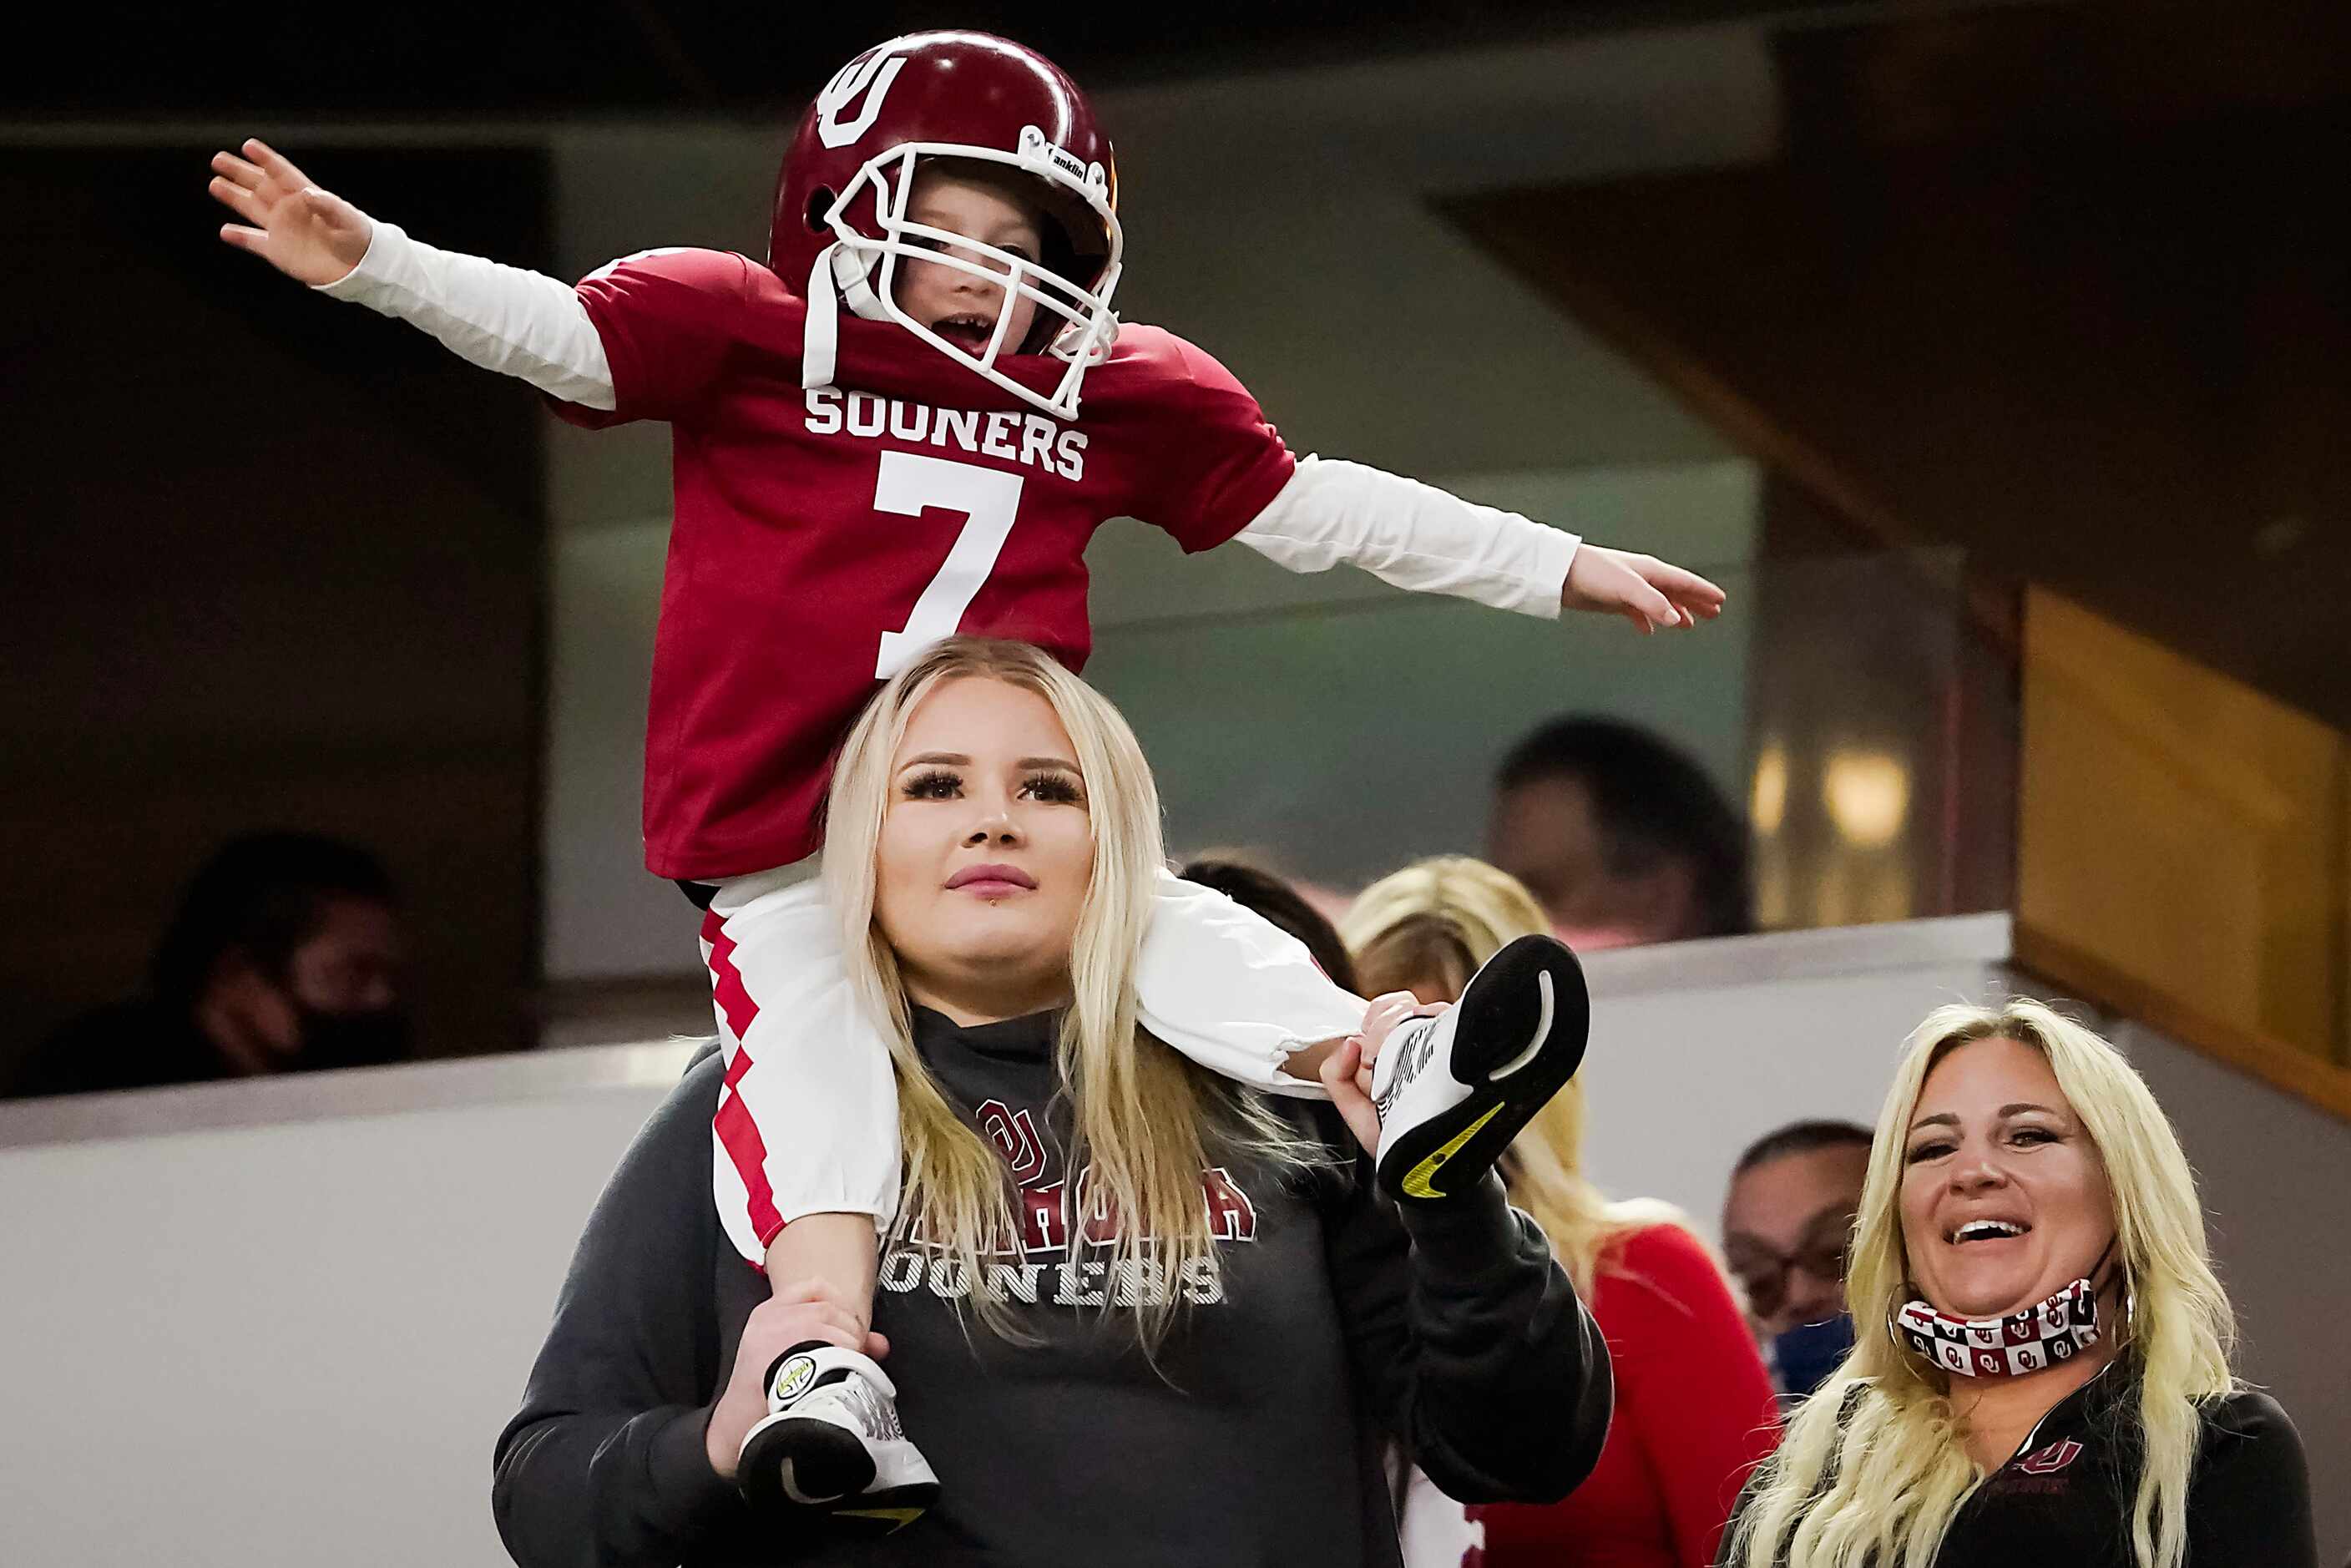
[{"x": 527, "y": 324}]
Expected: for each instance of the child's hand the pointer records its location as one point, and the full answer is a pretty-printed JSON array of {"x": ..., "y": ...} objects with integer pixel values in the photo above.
[
  {"x": 1346, "y": 1072},
  {"x": 1641, "y": 588},
  {"x": 309, "y": 234}
]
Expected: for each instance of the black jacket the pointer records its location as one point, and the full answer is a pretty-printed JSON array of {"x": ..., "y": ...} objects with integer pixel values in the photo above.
[
  {"x": 1256, "y": 1441},
  {"x": 2067, "y": 1495}
]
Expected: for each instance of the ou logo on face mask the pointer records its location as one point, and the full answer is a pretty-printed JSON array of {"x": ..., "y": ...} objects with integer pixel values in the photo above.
[{"x": 869, "y": 77}]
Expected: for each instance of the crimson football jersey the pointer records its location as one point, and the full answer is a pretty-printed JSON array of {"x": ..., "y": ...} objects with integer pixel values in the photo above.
[{"x": 823, "y": 537}]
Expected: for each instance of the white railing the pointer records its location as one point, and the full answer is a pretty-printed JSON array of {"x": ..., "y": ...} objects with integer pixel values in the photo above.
[{"x": 280, "y": 1323}]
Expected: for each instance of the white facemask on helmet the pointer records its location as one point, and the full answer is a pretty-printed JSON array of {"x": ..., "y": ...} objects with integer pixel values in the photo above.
[{"x": 862, "y": 269}]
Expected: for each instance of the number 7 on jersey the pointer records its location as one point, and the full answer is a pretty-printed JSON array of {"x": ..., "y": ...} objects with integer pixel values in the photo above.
[{"x": 988, "y": 498}]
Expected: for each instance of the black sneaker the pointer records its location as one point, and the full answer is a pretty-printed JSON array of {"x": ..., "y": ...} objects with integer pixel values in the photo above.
[
  {"x": 831, "y": 1444},
  {"x": 1453, "y": 1091}
]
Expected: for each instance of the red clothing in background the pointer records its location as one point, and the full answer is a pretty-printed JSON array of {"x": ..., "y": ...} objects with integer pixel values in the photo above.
[{"x": 1694, "y": 1415}]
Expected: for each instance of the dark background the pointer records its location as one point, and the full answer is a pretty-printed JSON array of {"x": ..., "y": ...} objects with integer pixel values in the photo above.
[
  {"x": 692, "y": 56},
  {"x": 2064, "y": 283},
  {"x": 269, "y": 565}
]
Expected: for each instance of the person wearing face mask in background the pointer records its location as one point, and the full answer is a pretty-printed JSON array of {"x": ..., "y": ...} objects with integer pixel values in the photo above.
[
  {"x": 285, "y": 955},
  {"x": 1786, "y": 1222},
  {"x": 2042, "y": 1372}
]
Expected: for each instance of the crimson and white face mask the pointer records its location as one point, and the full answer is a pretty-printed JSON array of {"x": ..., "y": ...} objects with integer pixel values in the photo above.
[{"x": 2057, "y": 1330}]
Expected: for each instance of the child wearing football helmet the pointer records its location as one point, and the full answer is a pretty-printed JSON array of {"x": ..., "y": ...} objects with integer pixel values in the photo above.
[{"x": 905, "y": 426}]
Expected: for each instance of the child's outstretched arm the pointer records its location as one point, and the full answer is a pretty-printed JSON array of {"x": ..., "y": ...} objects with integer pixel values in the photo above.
[
  {"x": 503, "y": 319},
  {"x": 1421, "y": 537}
]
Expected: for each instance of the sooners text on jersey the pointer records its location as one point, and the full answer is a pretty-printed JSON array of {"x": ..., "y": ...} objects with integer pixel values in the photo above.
[{"x": 822, "y": 539}]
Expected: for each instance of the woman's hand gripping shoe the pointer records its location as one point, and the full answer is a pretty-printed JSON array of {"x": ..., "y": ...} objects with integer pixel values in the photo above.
[{"x": 831, "y": 1443}]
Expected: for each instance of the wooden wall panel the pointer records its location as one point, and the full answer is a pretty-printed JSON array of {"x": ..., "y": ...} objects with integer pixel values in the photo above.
[{"x": 2181, "y": 833}]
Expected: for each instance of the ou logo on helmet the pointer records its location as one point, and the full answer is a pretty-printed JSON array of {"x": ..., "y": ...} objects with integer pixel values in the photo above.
[{"x": 869, "y": 77}]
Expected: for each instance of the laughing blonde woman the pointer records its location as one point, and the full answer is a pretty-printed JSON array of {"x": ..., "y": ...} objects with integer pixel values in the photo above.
[{"x": 2042, "y": 1367}]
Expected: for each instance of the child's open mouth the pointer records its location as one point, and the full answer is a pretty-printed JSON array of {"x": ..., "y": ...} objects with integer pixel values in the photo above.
[{"x": 969, "y": 333}]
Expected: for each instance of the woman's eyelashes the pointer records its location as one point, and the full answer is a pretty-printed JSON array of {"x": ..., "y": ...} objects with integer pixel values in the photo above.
[
  {"x": 1060, "y": 789},
  {"x": 933, "y": 784},
  {"x": 1052, "y": 787},
  {"x": 2027, "y": 1136}
]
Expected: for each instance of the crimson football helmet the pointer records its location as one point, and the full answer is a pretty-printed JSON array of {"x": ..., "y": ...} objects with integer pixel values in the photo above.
[{"x": 841, "y": 202}]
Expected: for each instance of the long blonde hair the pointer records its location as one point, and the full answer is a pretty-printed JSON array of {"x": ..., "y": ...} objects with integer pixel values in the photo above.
[
  {"x": 1145, "y": 1119},
  {"x": 1880, "y": 1484},
  {"x": 1436, "y": 921}
]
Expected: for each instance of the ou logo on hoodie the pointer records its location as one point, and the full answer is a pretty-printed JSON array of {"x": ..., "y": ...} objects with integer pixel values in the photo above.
[{"x": 2048, "y": 1461}]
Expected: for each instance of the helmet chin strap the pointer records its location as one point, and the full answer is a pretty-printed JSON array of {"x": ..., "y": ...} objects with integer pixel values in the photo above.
[
  {"x": 821, "y": 339},
  {"x": 855, "y": 278},
  {"x": 835, "y": 275}
]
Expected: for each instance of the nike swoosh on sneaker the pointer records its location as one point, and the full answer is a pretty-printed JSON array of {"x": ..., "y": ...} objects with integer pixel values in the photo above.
[{"x": 1420, "y": 1182}]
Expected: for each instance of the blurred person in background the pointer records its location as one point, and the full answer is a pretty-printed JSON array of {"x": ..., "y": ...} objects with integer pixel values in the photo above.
[
  {"x": 2044, "y": 1374},
  {"x": 1786, "y": 1222},
  {"x": 1694, "y": 1408},
  {"x": 1621, "y": 837},
  {"x": 1278, "y": 902},
  {"x": 285, "y": 954}
]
